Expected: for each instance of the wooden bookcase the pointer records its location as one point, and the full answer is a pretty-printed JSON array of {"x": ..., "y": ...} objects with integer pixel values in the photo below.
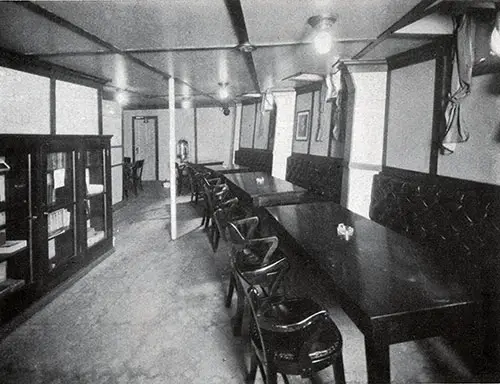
[{"x": 55, "y": 208}]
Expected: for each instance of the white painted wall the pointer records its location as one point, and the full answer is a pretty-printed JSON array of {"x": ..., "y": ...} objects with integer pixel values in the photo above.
[
  {"x": 364, "y": 140},
  {"x": 112, "y": 125},
  {"x": 478, "y": 159},
  {"x": 214, "y": 134},
  {"x": 76, "y": 109},
  {"x": 25, "y": 102},
  {"x": 283, "y": 139},
  {"x": 409, "y": 119}
]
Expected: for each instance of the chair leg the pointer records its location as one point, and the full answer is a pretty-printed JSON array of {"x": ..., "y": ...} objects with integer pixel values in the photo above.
[
  {"x": 240, "y": 309},
  {"x": 338, "y": 369},
  {"x": 215, "y": 237},
  {"x": 254, "y": 363},
  {"x": 230, "y": 291},
  {"x": 272, "y": 374}
]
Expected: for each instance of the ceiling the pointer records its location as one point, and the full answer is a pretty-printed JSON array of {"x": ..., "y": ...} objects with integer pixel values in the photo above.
[{"x": 135, "y": 46}]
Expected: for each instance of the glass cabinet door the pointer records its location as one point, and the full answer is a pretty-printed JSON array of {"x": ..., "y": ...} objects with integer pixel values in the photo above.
[
  {"x": 16, "y": 220},
  {"x": 96, "y": 196},
  {"x": 61, "y": 207}
]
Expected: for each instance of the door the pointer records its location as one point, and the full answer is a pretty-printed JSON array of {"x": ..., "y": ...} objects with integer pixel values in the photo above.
[{"x": 145, "y": 144}]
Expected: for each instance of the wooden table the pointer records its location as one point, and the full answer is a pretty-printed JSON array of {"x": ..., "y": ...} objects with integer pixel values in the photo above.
[
  {"x": 227, "y": 169},
  {"x": 262, "y": 189},
  {"x": 393, "y": 289},
  {"x": 206, "y": 162}
]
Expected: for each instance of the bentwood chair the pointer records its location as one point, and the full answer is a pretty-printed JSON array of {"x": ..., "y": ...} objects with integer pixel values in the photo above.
[
  {"x": 291, "y": 336},
  {"x": 253, "y": 261},
  {"x": 195, "y": 183},
  {"x": 214, "y": 192},
  {"x": 229, "y": 210}
]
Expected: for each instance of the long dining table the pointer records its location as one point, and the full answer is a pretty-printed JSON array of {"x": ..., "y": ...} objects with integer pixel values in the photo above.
[
  {"x": 392, "y": 288},
  {"x": 227, "y": 169},
  {"x": 262, "y": 190}
]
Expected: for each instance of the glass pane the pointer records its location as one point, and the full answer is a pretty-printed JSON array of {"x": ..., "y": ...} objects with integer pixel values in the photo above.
[
  {"x": 61, "y": 235},
  {"x": 15, "y": 220},
  {"x": 94, "y": 172},
  {"x": 60, "y": 188},
  {"x": 96, "y": 220},
  {"x": 96, "y": 196}
]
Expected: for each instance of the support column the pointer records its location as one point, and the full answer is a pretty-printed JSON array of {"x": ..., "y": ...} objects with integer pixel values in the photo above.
[
  {"x": 364, "y": 139},
  {"x": 173, "y": 152},
  {"x": 283, "y": 138},
  {"x": 235, "y": 143}
]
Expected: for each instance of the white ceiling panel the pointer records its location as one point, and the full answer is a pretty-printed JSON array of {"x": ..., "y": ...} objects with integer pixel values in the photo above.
[
  {"x": 275, "y": 63},
  {"x": 121, "y": 72},
  {"x": 205, "y": 69},
  {"x": 151, "y": 24},
  {"x": 286, "y": 20},
  {"x": 393, "y": 46},
  {"x": 24, "y": 31}
]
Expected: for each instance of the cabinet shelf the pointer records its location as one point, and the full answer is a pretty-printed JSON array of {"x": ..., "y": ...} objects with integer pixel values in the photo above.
[
  {"x": 58, "y": 232},
  {"x": 12, "y": 247},
  {"x": 9, "y": 286}
]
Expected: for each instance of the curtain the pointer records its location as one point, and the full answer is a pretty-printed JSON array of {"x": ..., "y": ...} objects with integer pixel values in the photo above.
[{"x": 463, "y": 59}]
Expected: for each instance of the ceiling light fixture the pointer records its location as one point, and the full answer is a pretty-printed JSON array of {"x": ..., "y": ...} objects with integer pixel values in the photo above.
[
  {"x": 323, "y": 39},
  {"x": 223, "y": 91},
  {"x": 186, "y": 102},
  {"x": 121, "y": 98}
]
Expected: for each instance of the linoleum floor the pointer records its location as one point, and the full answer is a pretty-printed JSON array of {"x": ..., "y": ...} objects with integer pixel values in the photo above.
[{"x": 152, "y": 312}]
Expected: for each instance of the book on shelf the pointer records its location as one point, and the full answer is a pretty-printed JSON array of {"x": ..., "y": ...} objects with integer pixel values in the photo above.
[{"x": 11, "y": 246}]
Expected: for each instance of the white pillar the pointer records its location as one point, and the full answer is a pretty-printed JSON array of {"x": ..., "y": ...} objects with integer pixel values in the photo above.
[
  {"x": 235, "y": 145},
  {"x": 173, "y": 152},
  {"x": 364, "y": 140},
  {"x": 283, "y": 137}
]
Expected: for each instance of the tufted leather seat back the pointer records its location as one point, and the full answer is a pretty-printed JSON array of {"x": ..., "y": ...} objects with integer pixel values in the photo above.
[
  {"x": 459, "y": 218},
  {"x": 320, "y": 175},
  {"x": 258, "y": 160}
]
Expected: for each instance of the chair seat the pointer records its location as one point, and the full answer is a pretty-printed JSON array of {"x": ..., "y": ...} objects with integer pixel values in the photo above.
[
  {"x": 286, "y": 346},
  {"x": 249, "y": 259}
]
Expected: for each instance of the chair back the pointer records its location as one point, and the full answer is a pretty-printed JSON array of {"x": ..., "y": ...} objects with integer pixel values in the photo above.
[{"x": 137, "y": 169}]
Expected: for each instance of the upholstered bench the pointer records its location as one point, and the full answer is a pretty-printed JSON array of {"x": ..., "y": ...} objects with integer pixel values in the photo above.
[
  {"x": 257, "y": 160},
  {"x": 321, "y": 176},
  {"x": 459, "y": 218}
]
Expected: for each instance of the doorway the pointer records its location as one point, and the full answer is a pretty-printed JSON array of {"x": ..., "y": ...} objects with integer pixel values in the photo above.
[{"x": 145, "y": 144}]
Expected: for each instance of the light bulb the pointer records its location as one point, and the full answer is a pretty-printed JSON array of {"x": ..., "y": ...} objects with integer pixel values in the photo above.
[
  {"x": 322, "y": 42},
  {"x": 223, "y": 93},
  {"x": 121, "y": 98},
  {"x": 495, "y": 42},
  {"x": 185, "y": 103}
]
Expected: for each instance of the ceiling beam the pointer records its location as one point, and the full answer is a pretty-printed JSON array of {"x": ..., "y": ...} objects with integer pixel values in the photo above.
[
  {"x": 90, "y": 36},
  {"x": 418, "y": 11},
  {"x": 132, "y": 51},
  {"x": 238, "y": 20}
]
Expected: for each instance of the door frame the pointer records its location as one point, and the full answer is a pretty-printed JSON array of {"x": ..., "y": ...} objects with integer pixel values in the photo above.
[{"x": 155, "y": 118}]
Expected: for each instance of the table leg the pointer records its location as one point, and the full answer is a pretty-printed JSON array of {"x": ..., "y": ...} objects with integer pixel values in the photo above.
[{"x": 377, "y": 360}]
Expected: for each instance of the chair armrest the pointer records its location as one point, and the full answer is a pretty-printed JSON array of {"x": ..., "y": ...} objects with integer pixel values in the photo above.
[
  {"x": 229, "y": 203},
  {"x": 253, "y": 223},
  {"x": 273, "y": 244}
]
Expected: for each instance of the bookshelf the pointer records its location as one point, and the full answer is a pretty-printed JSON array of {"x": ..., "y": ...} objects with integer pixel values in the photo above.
[{"x": 55, "y": 208}]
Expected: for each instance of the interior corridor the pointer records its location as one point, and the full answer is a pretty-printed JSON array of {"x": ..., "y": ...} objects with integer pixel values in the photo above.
[{"x": 153, "y": 312}]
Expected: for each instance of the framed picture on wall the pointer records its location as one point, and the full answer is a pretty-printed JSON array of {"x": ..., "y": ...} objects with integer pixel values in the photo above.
[{"x": 302, "y": 126}]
